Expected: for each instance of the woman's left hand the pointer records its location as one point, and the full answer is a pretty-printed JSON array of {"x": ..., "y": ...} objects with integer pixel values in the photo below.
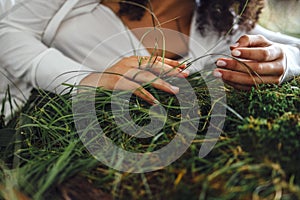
[{"x": 263, "y": 63}]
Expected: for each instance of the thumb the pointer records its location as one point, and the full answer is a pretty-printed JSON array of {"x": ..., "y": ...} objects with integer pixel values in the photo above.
[{"x": 251, "y": 41}]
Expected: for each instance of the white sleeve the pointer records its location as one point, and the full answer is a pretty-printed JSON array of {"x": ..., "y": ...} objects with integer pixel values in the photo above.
[
  {"x": 5, "y": 5},
  {"x": 24, "y": 56},
  {"x": 291, "y": 48}
]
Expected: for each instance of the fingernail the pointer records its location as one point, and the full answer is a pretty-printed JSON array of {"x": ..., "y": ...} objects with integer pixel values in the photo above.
[
  {"x": 185, "y": 73},
  {"x": 182, "y": 73},
  {"x": 235, "y": 45},
  {"x": 221, "y": 63},
  {"x": 217, "y": 74},
  {"x": 156, "y": 102},
  {"x": 175, "y": 89},
  {"x": 183, "y": 66},
  {"x": 236, "y": 53}
]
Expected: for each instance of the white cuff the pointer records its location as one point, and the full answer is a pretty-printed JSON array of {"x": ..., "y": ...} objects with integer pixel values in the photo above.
[
  {"x": 51, "y": 69},
  {"x": 292, "y": 62}
]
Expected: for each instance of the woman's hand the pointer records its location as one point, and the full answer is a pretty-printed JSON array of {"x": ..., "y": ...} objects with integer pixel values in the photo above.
[
  {"x": 264, "y": 63},
  {"x": 130, "y": 72}
]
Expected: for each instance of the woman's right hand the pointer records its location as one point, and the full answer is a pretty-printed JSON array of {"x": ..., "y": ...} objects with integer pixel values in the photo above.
[{"x": 130, "y": 72}]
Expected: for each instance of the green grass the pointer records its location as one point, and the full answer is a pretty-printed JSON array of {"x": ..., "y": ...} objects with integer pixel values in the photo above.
[{"x": 256, "y": 157}]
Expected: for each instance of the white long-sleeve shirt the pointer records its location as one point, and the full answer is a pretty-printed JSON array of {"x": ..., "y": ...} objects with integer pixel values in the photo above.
[{"x": 90, "y": 38}]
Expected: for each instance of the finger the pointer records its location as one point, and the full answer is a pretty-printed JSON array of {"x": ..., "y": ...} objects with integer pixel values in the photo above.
[
  {"x": 145, "y": 95},
  {"x": 147, "y": 77},
  {"x": 251, "y": 41},
  {"x": 269, "y": 53},
  {"x": 173, "y": 63},
  {"x": 167, "y": 67},
  {"x": 123, "y": 83},
  {"x": 164, "y": 69},
  {"x": 152, "y": 59},
  {"x": 245, "y": 78},
  {"x": 117, "y": 82},
  {"x": 249, "y": 66}
]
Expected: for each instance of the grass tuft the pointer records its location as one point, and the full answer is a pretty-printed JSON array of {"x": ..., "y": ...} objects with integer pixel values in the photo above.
[{"x": 256, "y": 156}]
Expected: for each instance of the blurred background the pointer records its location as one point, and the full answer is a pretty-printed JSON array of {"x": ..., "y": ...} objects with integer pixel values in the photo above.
[{"x": 282, "y": 16}]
